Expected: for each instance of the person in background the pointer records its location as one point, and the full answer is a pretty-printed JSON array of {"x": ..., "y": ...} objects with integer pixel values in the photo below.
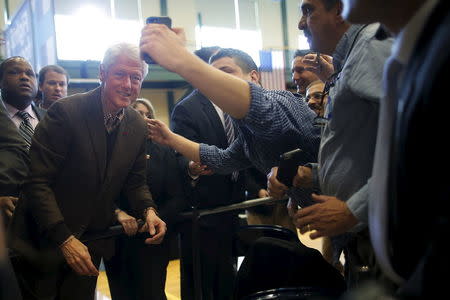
[
  {"x": 138, "y": 271},
  {"x": 18, "y": 89},
  {"x": 349, "y": 127},
  {"x": 301, "y": 76},
  {"x": 53, "y": 83},
  {"x": 198, "y": 119},
  {"x": 14, "y": 162},
  {"x": 409, "y": 209},
  {"x": 314, "y": 97}
]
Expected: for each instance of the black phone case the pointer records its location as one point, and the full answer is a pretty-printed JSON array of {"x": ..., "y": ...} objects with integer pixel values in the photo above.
[
  {"x": 287, "y": 169},
  {"x": 160, "y": 20}
]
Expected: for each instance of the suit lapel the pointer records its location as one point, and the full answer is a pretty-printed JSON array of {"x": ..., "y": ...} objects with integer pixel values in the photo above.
[
  {"x": 40, "y": 113},
  {"x": 215, "y": 121},
  {"x": 95, "y": 123}
]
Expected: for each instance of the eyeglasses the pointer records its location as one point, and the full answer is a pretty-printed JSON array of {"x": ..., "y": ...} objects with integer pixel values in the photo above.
[
  {"x": 316, "y": 95},
  {"x": 331, "y": 82}
]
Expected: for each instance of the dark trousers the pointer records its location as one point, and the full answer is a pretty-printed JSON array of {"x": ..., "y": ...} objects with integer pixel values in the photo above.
[
  {"x": 9, "y": 289},
  {"x": 137, "y": 270},
  {"x": 274, "y": 263},
  {"x": 217, "y": 260},
  {"x": 361, "y": 265},
  {"x": 62, "y": 284}
]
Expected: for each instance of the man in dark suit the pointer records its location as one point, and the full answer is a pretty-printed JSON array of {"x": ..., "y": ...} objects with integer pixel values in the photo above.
[
  {"x": 197, "y": 119},
  {"x": 19, "y": 88},
  {"x": 409, "y": 206},
  {"x": 13, "y": 168},
  {"x": 86, "y": 151}
]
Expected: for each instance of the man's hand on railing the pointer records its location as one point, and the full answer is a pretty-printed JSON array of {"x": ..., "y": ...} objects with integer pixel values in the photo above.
[
  {"x": 129, "y": 223},
  {"x": 155, "y": 227}
]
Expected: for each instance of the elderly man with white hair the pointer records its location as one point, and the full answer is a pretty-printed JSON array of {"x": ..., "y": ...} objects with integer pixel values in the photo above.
[{"x": 89, "y": 149}]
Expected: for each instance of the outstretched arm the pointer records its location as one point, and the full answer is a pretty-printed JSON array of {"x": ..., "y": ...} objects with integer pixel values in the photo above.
[
  {"x": 161, "y": 134},
  {"x": 167, "y": 48}
]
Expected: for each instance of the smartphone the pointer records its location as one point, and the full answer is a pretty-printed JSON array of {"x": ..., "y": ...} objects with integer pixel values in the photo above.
[
  {"x": 160, "y": 20},
  {"x": 289, "y": 163}
]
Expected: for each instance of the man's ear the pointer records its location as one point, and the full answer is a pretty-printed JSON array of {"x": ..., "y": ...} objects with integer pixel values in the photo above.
[
  {"x": 339, "y": 8},
  {"x": 101, "y": 73},
  {"x": 255, "y": 76}
]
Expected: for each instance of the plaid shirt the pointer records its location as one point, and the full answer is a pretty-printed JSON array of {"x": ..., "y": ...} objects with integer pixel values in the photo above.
[
  {"x": 113, "y": 120},
  {"x": 277, "y": 122}
]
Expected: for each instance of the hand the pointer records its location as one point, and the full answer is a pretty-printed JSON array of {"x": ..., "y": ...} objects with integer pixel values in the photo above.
[
  {"x": 329, "y": 217},
  {"x": 197, "y": 169},
  {"x": 323, "y": 67},
  {"x": 275, "y": 188},
  {"x": 165, "y": 46},
  {"x": 78, "y": 257},
  {"x": 262, "y": 193},
  {"x": 155, "y": 226},
  {"x": 128, "y": 222},
  {"x": 8, "y": 204},
  {"x": 303, "y": 178},
  {"x": 159, "y": 132}
]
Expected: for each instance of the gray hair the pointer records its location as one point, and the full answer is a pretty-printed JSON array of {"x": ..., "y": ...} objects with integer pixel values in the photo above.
[
  {"x": 147, "y": 104},
  {"x": 129, "y": 50}
]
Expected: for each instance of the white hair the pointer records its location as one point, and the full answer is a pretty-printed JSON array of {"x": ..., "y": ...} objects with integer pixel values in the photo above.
[{"x": 127, "y": 49}]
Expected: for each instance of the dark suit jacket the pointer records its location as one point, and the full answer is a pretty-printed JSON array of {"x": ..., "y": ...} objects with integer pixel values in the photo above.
[
  {"x": 13, "y": 156},
  {"x": 165, "y": 181},
  {"x": 419, "y": 224},
  {"x": 72, "y": 186},
  {"x": 196, "y": 119}
]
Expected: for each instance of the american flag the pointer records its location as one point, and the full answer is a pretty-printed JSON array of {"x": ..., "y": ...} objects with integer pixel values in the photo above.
[{"x": 272, "y": 70}]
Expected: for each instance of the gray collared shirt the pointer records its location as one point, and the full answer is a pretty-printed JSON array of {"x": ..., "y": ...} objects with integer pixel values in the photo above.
[{"x": 348, "y": 140}]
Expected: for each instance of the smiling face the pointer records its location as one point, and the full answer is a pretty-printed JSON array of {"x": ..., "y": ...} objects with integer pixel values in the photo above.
[
  {"x": 300, "y": 76},
  {"x": 121, "y": 82},
  {"x": 18, "y": 83},
  {"x": 54, "y": 86}
]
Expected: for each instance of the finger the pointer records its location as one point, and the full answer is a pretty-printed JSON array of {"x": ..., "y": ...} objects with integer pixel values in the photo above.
[
  {"x": 10, "y": 206},
  {"x": 158, "y": 237},
  {"x": 316, "y": 234},
  {"x": 134, "y": 227},
  {"x": 144, "y": 228},
  {"x": 304, "y": 222},
  {"x": 127, "y": 229},
  {"x": 320, "y": 198},
  {"x": 92, "y": 269},
  {"x": 89, "y": 266},
  {"x": 151, "y": 228},
  {"x": 77, "y": 268},
  {"x": 306, "y": 212},
  {"x": 14, "y": 200},
  {"x": 9, "y": 213}
]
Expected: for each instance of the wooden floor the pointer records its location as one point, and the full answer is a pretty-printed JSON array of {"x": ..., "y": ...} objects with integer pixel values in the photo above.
[{"x": 173, "y": 275}]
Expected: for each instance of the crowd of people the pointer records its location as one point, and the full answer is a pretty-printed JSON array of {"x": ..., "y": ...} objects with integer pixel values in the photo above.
[{"x": 364, "y": 115}]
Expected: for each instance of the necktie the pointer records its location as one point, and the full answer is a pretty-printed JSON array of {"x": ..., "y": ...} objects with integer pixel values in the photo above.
[
  {"x": 379, "y": 185},
  {"x": 25, "y": 128},
  {"x": 229, "y": 130}
]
